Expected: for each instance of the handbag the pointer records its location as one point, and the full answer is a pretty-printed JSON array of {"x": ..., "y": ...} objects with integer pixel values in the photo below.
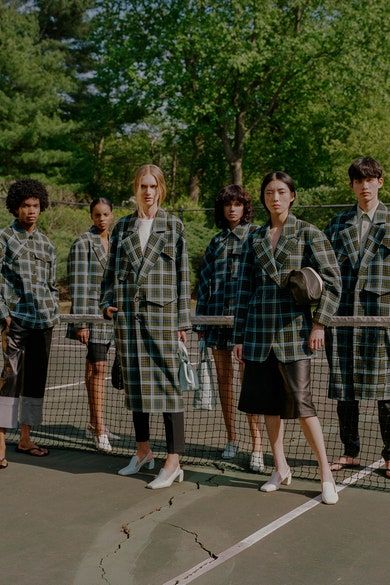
[
  {"x": 116, "y": 373},
  {"x": 187, "y": 375},
  {"x": 305, "y": 285},
  {"x": 205, "y": 397}
]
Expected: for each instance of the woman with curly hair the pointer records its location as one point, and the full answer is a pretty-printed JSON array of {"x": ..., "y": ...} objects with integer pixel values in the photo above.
[
  {"x": 28, "y": 311},
  {"x": 216, "y": 295}
]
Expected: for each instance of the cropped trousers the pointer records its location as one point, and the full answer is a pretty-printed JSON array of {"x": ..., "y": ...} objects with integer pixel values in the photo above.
[{"x": 174, "y": 430}]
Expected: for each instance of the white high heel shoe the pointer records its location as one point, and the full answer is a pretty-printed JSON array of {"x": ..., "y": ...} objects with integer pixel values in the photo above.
[
  {"x": 256, "y": 462},
  {"x": 136, "y": 464},
  {"x": 164, "y": 480},
  {"x": 329, "y": 493},
  {"x": 276, "y": 481}
]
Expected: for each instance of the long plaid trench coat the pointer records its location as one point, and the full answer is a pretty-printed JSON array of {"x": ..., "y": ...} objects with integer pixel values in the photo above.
[
  {"x": 152, "y": 294},
  {"x": 267, "y": 316},
  {"x": 28, "y": 291},
  {"x": 359, "y": 357},
  {"x": 218, "y": 280},
  {"x": 86, "y": 263}
]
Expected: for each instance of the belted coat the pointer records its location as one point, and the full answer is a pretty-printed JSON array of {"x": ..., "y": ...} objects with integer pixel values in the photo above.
[
  {"x": 359, "y": 357},
  {"x": 267, "y": 315},
  {"x": 152, "y": 294},
  {"x": 87, "y": 260}
]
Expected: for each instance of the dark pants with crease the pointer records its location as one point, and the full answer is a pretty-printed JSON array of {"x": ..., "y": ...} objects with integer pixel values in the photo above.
[
  {"x": 348, "y": 413},
  {"x": 174, "y": 430}
]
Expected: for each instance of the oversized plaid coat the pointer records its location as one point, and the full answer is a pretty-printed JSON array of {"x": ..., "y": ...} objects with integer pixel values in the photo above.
[
  {"x": 152, "y": 294},
  {"x": 28, "y": 291},
  {"x": 87, "y": 260},
  {"x": 218, "y": 280},
  {"x": 267, "y": 316},
  {"x": 359, "y": 357}
]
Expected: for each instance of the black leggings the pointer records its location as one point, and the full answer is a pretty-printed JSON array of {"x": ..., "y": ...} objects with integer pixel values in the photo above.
[{"x": 174, "y": 430}]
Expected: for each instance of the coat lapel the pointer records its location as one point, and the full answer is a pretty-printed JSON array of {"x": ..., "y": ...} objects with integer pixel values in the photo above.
[
  {"x": 287, "y": 241},
  {"x": 155, "y": 245},
  {"x": 263, "y": 250},
  {"x": 97, "y": 247},
  {"x": 132, "y": 245},
  {"x": 376, "y": 236},
  {"x": 350, "y": 238}
]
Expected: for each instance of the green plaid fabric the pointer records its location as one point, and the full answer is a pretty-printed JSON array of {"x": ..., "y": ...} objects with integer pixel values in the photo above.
[
  {"x": 267, "y": 316},
  {"x": 359, "y": 358},
  {"x": 218, "y": 281},
  {"x": 86, "y": 263},
  {"x": 27, "y": 278},
  {"x": 152, "y": 294}
]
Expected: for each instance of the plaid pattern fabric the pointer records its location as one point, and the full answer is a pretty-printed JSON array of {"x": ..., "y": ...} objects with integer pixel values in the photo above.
[
  {"x": 359, "y": 357},
  {"x": 27, "y": 278},
  {"x": 218, "y": 281},
  {"x": 267, "y": 315},
  {"x": 152, "y": 294},
  {"x": 86, "y": 263}
]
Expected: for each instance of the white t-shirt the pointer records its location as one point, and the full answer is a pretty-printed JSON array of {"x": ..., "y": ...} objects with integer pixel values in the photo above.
[{"x": 144, "y": 229}]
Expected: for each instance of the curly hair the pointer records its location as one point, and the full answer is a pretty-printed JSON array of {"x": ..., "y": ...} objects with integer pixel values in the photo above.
[
  {"x": 225, "y": 196},
  {"x": 23, "y": 189}
]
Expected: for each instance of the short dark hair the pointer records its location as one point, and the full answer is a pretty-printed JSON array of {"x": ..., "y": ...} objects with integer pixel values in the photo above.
[
  {"x": 225, "y": 196},
  {"x": 365, "y": 167},
  {"x": 23, "y": 189},
  {"x": 276, "y": 176},
  {"x": 98, "y": 200}
]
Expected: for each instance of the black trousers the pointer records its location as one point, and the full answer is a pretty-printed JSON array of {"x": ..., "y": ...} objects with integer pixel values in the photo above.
[
  {"x": 348, "y": 413},
  {"x": 174, "y": 430}
]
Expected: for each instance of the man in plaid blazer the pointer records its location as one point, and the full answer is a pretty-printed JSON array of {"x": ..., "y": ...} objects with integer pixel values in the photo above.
[
  {"x": 28, "y": 311},
  {"x": 359, "y": 357}
]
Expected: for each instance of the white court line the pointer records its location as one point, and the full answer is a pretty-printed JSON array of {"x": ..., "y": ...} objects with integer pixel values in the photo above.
[
  {"x": 70, "y": 385},
  {"x": 210, "y": 564}
]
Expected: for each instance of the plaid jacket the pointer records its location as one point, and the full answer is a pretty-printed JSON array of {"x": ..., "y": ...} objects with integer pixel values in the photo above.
[
  {"x": 27, "y": 278},
  {"x": 218, "y": 281},
  {"x": 359, "y": 357},
  {"x": 152, "y": 294},
  {"x": 86, "y": 262},
  {"x": 267, "y": 316}
]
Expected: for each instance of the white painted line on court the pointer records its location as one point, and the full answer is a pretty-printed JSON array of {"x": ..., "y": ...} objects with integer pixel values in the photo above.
[
  {"x": 71, "y": 385},
  {"x": 211, "y": 563}
]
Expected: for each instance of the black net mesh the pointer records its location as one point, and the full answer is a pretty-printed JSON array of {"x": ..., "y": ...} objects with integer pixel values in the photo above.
[{"x": 66, "y": 416}]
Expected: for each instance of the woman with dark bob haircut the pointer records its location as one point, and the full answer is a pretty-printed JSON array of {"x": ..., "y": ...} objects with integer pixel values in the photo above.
[
  {"x": 274, "y": 335},
  {"x": 216, "y": 295}
]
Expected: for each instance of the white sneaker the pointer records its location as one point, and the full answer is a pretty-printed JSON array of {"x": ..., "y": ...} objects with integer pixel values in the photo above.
[
  {"x": 256, "y": 462},
  {"x": 230, "y": 451},
  {"x": 103, "y": 444},
  {"x": 90, "y": 433}
]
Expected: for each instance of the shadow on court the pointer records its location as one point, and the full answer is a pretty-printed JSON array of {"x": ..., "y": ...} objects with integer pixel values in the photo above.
[{"x": 69, "y": 519}]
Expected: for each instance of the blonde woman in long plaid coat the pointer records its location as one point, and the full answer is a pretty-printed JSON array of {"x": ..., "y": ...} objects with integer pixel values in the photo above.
[
  {"x": 275, "y": 336},
  {"x": 86, "y": 263},
  {"x": 146, "y": 290}
]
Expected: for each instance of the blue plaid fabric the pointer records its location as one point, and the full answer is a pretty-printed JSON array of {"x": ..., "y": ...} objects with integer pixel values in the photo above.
[
  {"x": 359, "y": 357},
  {"x": 218, "y": 282},
  {"x": 267, "y": 316},
  {"x": 152, "y": 294},
  {"x": 27, "y": 278}
]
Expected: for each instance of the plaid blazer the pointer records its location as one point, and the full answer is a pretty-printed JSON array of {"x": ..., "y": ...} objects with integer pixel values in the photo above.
[
  {"x": 359, "y": 357},
  {"x": 152, "y": 294},
  {"x": 27, "y": 278},
  {"x": 218, "y": 281},
  {"x": 87, "y": 260},
  {"x": 267, "y": 316}
]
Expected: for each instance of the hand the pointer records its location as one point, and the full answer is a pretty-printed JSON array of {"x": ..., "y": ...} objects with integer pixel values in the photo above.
[
  {"x": 182, "y": 336},
  {"x": 317, "y": 337},
  {"x": 238, "y": 354},
  {"x": 109, "y": 312},
  {"x": 83, "y": 335}
]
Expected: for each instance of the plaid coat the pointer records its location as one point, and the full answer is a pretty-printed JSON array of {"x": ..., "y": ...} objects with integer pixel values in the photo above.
[
  {"x": 86, "y": 263},
  {"x": 218, "y": 281},
  {"x": 359, "y": 357},
  {"x": 152, "y": 294},
  {"x": 27, "y": 278},
  {"x": 267, "y": 316}
]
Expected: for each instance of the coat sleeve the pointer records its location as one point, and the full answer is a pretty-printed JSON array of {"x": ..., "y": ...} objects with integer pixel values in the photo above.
[
  {"x": 78, "y": 269},
  {"x": 183, "y": 284},
  {"x": 246, "y": 284},
  {"x": 322, "y": 258}
]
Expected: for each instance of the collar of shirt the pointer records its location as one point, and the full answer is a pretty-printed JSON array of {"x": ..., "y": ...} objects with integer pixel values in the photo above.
[{"x": 370, "y": 213}]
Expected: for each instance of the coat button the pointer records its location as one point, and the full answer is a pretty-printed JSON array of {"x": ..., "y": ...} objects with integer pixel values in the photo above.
[{"x": 136, "y": 298}]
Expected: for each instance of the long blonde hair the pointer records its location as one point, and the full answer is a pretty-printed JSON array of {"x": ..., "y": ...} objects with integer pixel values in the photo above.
[{"x": 157, "y": 173}]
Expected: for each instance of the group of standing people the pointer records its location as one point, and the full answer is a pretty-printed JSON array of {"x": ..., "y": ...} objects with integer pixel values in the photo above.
[{"x": 139, "y": 278}]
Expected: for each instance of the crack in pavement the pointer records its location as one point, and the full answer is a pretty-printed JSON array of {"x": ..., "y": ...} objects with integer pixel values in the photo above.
[{"x": 196, "y": 535}]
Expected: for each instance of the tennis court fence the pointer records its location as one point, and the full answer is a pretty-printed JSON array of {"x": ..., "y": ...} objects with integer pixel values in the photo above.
[{"x": 66, "y": 413}]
